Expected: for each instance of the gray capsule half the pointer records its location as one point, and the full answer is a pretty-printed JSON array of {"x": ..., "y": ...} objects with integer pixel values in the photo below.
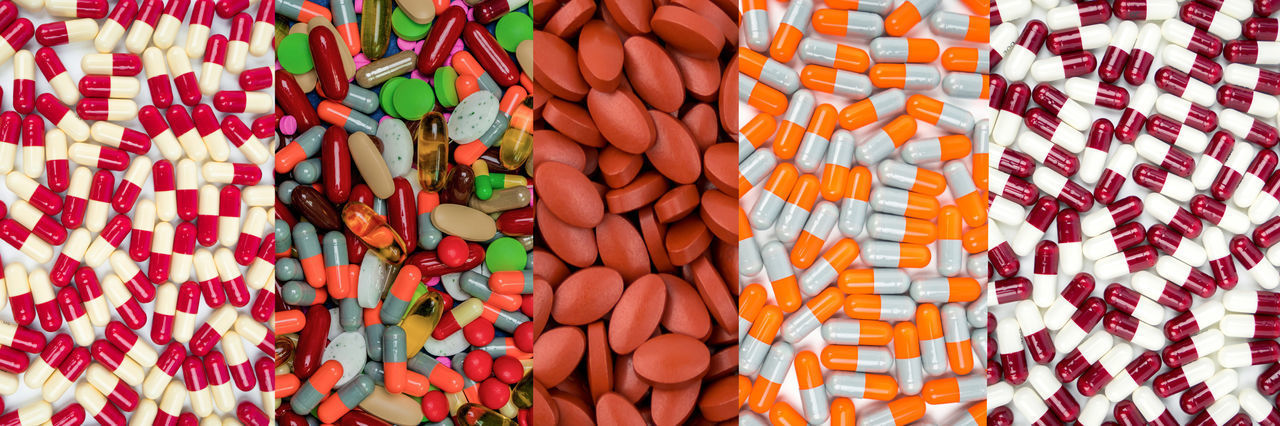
[
  {"x": 931, "y": 290},
  {"x": 964, "y": 85},
  {"x": 814, "y": 51},
  {"x": 749, "y": 260},
  {"x": 910, "y": 374},
  {"x": 950, "y": 257},
  {"x": 863, "y": 25},
  {"x": 891, "y": 50},
  {"x": 853, "y": 215},
  {"x": 950, "y": 25},
  {"x": 892, "y": 227},
  {"x": 920, "y": 77},
  {"x": 875, "y": 149},
  {"x": 898, "y": 174},
  {"x": 847, "y": 84},
  {"x": 756, "y": 168},
  {"x": 750, "y": 418},
  {"x": 958, "y": 179},
  {"x": 778, "y": 362},
  {"x": 779, "y": 76},
  {"x": 933, "y": 356},
  {"x": 840, "y": 151},
  {"x": 800, "y": 108},
  {"x": 955, "y": 119},
  {"x": 756, "y": 24},
  {"x": 845, "y": 331},
  {"x": 777, "y": 264},
  {"x": 868, "y": 359},
  {"x": 889, "y": 200},
  {"x": 955, "y": 327},
  {"x": 813, "y": 147}
]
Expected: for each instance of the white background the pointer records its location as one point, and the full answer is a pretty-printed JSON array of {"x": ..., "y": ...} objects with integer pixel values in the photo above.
[
  {"x": 935, "y": 414},
  {"x": 1248, "y": 376},
  {"x": 71, "y": 55}
]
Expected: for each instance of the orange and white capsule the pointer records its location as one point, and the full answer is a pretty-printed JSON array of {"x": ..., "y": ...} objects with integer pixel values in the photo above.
[
  {"x": 815, "y": 312},
  {"x": 848, "y": 23},
  {"x": 950, "y": 390},
  {"x": 902, "y": 229},
  {"x": 776, "y": 190},
  {"x": 955, "y": 332},
  {"x": 900, "y": 412},
  {"x": 879, "y": 307},
  {"x": 813, "y": 394},
  {"x": 813, "y": 236},
  {"x": 839, "y": 82},
  {"x": 906, "y": 351},
  {"x": 873, "y": 281},
  {"x": 95, "y": 405},
  {"x": 972, "y": 205},
  {"x": 827, "y": 269},
  {"x": 750, "y": 301},
  {"x": 889, "y": 254},
  {"x": 833, "y": 55},
  {"x": 68, "y": 371},
  {"x": 915, "y": 179},
  {"x": 907, "y": 15},
  {"x": 762, "y": 97},
  {"x": 765, "y": 328},
  {"x": 862, "y": 385},
  {"x": 966, "y": 59},
  {"x": 843, "y": 412},
  {"x": 782, "y": 279},
  {"x": 755, "y": 133}
]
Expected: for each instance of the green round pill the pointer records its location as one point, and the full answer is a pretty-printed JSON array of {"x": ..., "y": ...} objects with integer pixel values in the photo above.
[
  {"x": 294, "y": 54},
  {"x": 413, "y": 99},
  {"x": 513, "y": 29},
  {"x": 388, "y": 95},
  {"x": 445, "y": 79},
  {"x": 505, "y": 254},
  {"x": 406, "y": 29}
]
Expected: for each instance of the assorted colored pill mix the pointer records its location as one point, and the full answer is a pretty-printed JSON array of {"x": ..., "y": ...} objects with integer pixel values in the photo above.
[
  {"x": 1133, "y": 244},
  {"x": 404, "y": 217},
  {"x": 135, "y": 206},
  {"x": 635, "y": 267},
  {"x": 862, "y": 226}
]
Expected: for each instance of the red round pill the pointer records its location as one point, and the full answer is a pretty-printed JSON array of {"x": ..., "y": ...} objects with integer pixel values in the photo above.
[
  {"x": 452, "y": 251},
  {"x": 477, "y": 365},
  {"x": 435, "y": 406},
  {"x": 508, "y": 369},
  {"x": 479, "y": 332},
  {"x": 523, "y": 337},
  {"x": 494, "y": 394}
]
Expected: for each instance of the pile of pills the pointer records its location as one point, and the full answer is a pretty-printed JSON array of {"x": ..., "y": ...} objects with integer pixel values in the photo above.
[
  {"x": 862, "y": 226},
  {"x": 635, "y": 271},
  {"x": 137, "y": 278},
  {"x": 406, "y": 294},
  {"x": 1134, "y": 213}
]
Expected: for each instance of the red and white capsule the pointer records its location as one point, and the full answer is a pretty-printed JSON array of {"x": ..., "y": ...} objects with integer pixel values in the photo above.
[
  {"x": 68, "y": 371},
  {"x": 107, "y": 241},
  {"x": 144, "y": 223},
  {"x": 184, "y": 247},
  {"x": 161, "y": 254},
  {"x": 43, "y": 296},
  {"x": 77, "y": 319},
  {"x": 62, "y": 117},
  {"x": 211, "y": 71},
  {"x": 130, "y": 311},
  {"x": 198, "y": 28},
  {"x": 56, "y": 74},
  {"x": 25, "y": 241},
  {"x": 95, "y": 302},
  {"x": 116, "y": 391},
  {"x": 162, "y": 374},
  {"x": 211, "y": 331},
  {"x": 184, "y": 78},
  {"x": 187, "y": 190}
]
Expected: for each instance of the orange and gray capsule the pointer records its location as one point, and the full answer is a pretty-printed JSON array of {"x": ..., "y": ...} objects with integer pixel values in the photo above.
[
  {"x": 949, "y": 117},
  {"x": 755, "y": 22},
  {"x": 828, "y": 268},
  {"x": 945, "y": 290},
  {"x": 797, "y": 208},
  {"x": 959, "y": 26},
  {"x": 901, "y": 412},
  {"x": 814, "y": 236},
  {"x": 853, "y": 209},
  {"x": 883, "y": 142},
  {"x": 750, "y": 302},
  {"x": 972, "y": 205},
  {"x": 792, "y": 127},
  {"x": 933, "y": 349},
  {"x": 904, "y": 76},
  {"x": 755, "y": 169},
  {"x": 791, "y": 30},
  {"x": 903, "y": 203},
  {"x": 874, "y": 281},
  {"x": 781, "y": 276},
  {"x": 967, "y": 85},
  {"x": 820, "y": 308},
  {"x": 875, "y": 108},
  {"x": 760, "y": 96},
  {"x": 905, "y": 176},
  {"x": 813, "y": 146},
  {"x": 774, "y": 197},
  {"x": 955, "y": 333},
  {"x": 754, "y": 134},
  {"x": 901, "y": 229},
  {"x": 749, "y": 262},
  {"x": 844, "y": 331},
  {"x": 880, "y": 307},
  {"x": 768, "y": 71},
  {"x": 813, "y": 395},
  {"x": 907, "y": 15},
  {"x": 879, "y": 7},
  {"x": 753, "y": 349},
  {"x": 772, "y": 373},
  {"x": 906, "y": 350},
  {"x": 888, "y": 254},
  {"x": 863, "y": 359},
  {"x": 950, "y": 248},
  {"x": 861, "y": 385},
  {"x": 967, "y": 59},
  {"x": 833, "y": 55},
  {"x": 848, "y": 24},
  {"x": 836, "y": 164},
  {"x": 842, "y": 83},
  {"x": 899, "y": 50},
  {"x": 945, "y": 148}
]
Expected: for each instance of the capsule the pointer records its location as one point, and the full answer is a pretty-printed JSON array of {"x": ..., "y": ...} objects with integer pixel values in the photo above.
[
  {"x": 853, "y": 207},
  {"x": 843, "y": 83},
  {"x": 1082, "y": 356},
  {"x": 864, "y": 359},
  {"x": 833, "y": 55},
  {"x": 862, "y": 385},
  {"x": 882, "y": 143},
  {"x": 753, "y": 350},
  {"x": 904, "y": 76},
  {"x": 879, "y": 307},
  {"x": 764, "y": 98},
  {"x": 817, "y": 137},
  {"x": 845, "y": 24},
  {"x": 781, "y": 276},
  {"x": 828, "y": 267},
  {"x": 1037, "y": 338}
]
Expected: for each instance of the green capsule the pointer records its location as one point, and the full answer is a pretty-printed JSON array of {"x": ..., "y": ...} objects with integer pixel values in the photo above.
[
  {"x": 288, "y": 269},
  {"x": 375, "y": 28},
  {"x": 373, "y": 341},
  {"x": 522, "y": 392},
  {"x": 307, "y": 172},
  {"x": 284, "y": 236}
]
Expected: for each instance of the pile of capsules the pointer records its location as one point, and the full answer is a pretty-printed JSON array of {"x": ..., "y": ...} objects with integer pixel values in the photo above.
[
  {"x": 405, "y": 295},
  {"x": 873, "y": 216},
  {"x": 1156, "y": 301},
  {"x": 161, "y": 237},
  {"x": 635, "y": 270}
]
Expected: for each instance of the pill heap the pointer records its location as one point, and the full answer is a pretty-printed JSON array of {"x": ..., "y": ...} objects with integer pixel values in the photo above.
[
  {"x": 98, "y": 221},
  {"x": 635, "y": 271},
  {"x": 880, "y": 216},
  {"x": 406, "y": 294},
  {"x": 1151, "y": 302}
]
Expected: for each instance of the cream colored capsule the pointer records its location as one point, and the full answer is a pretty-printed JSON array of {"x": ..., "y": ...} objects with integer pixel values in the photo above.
[
  {"x": 254, "y": 332},
  {"x": 184, "y": 323},
  {"x": 109, "y": 35},
  {"x": 83, "y": 29},
  {"x": 145, "y": 414},
  {"x": 260, "y": 41},
  {"x": 35, "y": 413},
  {"x": 8, "y": 383},
  {"x": 91, "y": 399},
  {"x": 228, "y": 269},
  {"x": 33, "y": 156},
  {"x": 174, "y": 396}
]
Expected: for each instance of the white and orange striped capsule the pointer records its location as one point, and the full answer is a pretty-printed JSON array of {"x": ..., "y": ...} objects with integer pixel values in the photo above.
[
  {"x": 193, "y": 376},
  {"x": 117, "y": 136},
  {"x": 170, "y": 406},
  {"x": 198, "y": 28},
  {"x": 211, "y": 132},
  {"x": 184, "y": 246},
  {"x": 219, "y": 322},
  {"x": 43, "y": 296},
  {"x": 229, "y": 215},
  {"x": 56, "y": 74},
  {"x": 107, "y": 241},
  {"x": 215, "y": 367},
  {"x": 96, "y": 406},
  {"x": 776, "y": 189},
  {"x": 143, "y": 27},
  {"x": 813, "y": 393},
  {"x": 827, "y": 268},
  {"x": 808, "y": 245},
  {"x": 126, "y": 369},
  {"x": 188, "y": 193},
  {"x": 238, "y": 361},
  {"x": 162, "y": 179},
  {"x": 127, "y": 193},
  {"x": 95, "y": 303},
  {"x": 162, "y": 374},
  {"x": 233, "y": 173},
  {"x": 25, "y": 241},
  {"x": 77, "y": 319},
  {"x": 250, "y": 238},
  {"x": 211, "y": 71},
  {"x": 183, "y": 126},
  {"x": 128, "y": 342},
  {"x": 68, "y": 371},
  {"x": 62, "y": 117},
  {"x": 144, "y": 225},
  {"x": 795, "y": 212},
  {"x": 19, "y": 292},
  {"x": 53, "y": 354},
  {"x": 109, "y": 35},
  {"x": 32, "y": 414},
  {"x": 117, "y": 391},
  {"x": 170, "y": 21},
  {"x": 232, "y": 281},
  {"x": 39, "y": 223},
  {"x": 814, "y": 313},
  {"x": 99, "y": 200},
  {"x": 128, "y": 308},
  {"x": 207, "y": 220},
  {"x": 255, "y": 332},
  {"x": 161, "y": 255}
]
